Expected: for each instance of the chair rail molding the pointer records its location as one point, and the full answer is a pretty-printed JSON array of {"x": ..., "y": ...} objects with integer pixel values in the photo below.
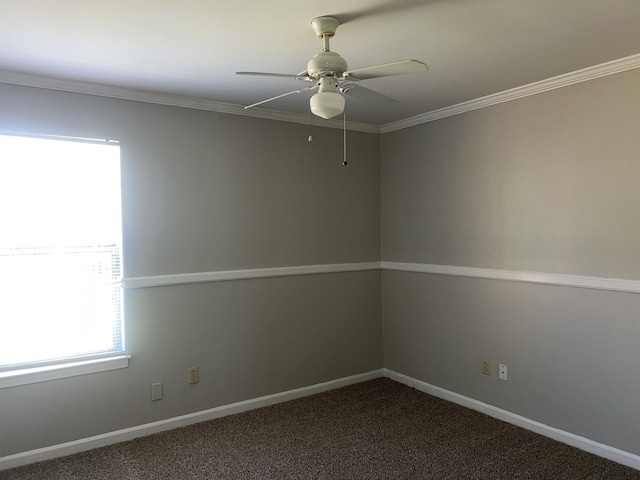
[{"x": 560, "y": 279}]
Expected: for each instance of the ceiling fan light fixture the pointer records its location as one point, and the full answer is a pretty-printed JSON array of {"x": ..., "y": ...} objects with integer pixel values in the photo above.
[{"x": 327, "y": 104}]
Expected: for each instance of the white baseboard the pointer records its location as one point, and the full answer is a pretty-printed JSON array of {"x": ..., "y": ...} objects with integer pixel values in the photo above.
[
  {"x": 615, "y": 454},
  {"x": 126, "y": 434},
  {"x": 84, "y": 444}
]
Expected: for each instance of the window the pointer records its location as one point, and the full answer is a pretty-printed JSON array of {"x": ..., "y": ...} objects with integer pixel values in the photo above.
[{"x": 60, "y": 258}]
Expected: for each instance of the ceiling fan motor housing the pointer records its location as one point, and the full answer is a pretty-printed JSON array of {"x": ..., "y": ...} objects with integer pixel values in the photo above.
[{"x": 325, "y": 63}]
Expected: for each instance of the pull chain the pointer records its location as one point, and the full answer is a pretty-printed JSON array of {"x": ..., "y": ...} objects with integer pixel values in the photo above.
[
  {"x": 344, "y": 138},
  {"x": 310, "y": 137}
]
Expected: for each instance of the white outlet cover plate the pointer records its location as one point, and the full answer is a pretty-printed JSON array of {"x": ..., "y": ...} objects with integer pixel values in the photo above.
[{"x": 503, "y": 372}]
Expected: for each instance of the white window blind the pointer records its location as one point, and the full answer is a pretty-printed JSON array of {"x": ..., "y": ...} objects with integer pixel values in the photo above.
[{"x": 60, "y": 251}]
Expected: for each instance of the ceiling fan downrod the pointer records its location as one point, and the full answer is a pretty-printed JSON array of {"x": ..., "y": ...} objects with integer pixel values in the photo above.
[{"x": 325, "y": 43}]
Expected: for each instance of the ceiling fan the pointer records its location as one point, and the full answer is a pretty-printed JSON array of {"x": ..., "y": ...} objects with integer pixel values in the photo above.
[{"x": 328, "y": 72}]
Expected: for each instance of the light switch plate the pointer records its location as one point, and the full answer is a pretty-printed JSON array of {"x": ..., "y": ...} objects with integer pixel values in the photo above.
[{"x": 156, "y": 391}]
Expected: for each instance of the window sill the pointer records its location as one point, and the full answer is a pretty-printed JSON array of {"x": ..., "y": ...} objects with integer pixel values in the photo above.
[{"x": 53, "y": 372}]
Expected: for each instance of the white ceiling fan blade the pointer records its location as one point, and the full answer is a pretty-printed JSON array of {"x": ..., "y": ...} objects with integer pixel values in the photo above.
[
  {"x": 368, "y": 96},
  {"x": 386, "y": 70},
  {"x": 300, "y": 90},
  {"x": 302, "y": 76}
]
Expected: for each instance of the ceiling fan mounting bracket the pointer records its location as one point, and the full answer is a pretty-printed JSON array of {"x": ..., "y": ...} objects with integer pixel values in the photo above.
[{"x": 325, "y": 26}]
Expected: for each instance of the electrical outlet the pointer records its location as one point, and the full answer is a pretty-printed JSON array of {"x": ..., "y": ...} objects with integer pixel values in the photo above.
[
  {"x": 194, "y": 375},
  {"x": 156, "y": 391},
  {"x": 486, "y": 367},
  {"x": 503, "y": 372}
]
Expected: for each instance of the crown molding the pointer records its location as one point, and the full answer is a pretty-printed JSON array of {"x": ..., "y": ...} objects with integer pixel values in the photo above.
[
  {"x": 159, "y": 98},
  {"x": 584, "y": 75}
]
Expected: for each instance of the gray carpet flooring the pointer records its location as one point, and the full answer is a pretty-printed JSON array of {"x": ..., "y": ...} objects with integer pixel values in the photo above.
[{"x": 378, "y": 429}]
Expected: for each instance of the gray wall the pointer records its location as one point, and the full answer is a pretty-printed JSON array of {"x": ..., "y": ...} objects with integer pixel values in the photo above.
[
  {"x": 548, "y": 183},
  {"x": 202, "y": 192}
]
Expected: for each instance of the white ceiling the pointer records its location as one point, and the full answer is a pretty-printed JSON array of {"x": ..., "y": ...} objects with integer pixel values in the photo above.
[{"x": 473, "y": 48}]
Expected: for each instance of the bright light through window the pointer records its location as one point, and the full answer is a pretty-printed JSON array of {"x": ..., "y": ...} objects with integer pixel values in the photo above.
[{"x": 60, "y": 235}]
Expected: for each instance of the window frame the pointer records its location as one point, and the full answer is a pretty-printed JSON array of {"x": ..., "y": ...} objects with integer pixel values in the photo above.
[{"x": 83, "y": 363}]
